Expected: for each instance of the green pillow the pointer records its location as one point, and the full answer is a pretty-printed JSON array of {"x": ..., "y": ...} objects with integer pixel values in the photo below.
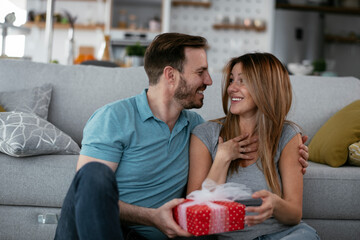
[
  {"x": 330, "y": 144},
  {"x": 2, "y": 109}
]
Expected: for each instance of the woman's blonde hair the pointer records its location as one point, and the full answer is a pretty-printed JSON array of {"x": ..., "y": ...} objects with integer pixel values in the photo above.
[{"x": 268, "y": 82}]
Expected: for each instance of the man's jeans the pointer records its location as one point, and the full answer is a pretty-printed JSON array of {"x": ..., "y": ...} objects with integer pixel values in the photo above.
[{"x": 90, "y": 209}]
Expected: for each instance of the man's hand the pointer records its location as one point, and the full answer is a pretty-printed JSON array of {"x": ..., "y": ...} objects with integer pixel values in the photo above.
[
  {"x": 304, "y": 154},
  {"x": 165, "y": 222},
  {"x": 303, "y": 150}
]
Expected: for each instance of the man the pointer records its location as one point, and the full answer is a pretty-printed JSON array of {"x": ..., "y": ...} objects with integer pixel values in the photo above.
[{"x": 143, "y": 140}]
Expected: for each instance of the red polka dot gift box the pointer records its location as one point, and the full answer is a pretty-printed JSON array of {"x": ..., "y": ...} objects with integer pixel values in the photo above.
[{"x": 209, "y": 217}]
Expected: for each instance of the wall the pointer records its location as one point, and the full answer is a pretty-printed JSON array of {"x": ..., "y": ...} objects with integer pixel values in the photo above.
[
  {"x": 87, "y": 13},
  {"x": 144, "y": 10},
  {"x": 341, "y": 58},
  {"x": 225, "y": 44},
  {"x": 345, "y": 57}
]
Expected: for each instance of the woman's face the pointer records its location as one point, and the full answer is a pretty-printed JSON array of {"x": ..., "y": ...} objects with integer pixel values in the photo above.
[{"x": 242, "y": 102}]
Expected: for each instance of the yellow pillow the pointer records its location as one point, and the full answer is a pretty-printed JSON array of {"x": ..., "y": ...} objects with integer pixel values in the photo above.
[
  {"x": 330, "y": 144},
  {"x": 2, "y": 109},
  {"x": 354, "y": 154}
]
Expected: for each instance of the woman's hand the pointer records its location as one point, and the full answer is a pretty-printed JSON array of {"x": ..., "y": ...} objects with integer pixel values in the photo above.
[
  {"x": 264, "y": 211},
  {"x": 237, "y": 148}
]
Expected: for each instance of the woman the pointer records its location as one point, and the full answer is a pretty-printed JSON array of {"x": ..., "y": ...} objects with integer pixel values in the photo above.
[{"x": 258, "y": 88}]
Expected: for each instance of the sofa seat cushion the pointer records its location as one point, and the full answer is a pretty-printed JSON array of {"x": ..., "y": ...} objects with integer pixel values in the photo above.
[
  {"x": 22, "y": 223},
  {"x": 36, "y": 181},
  {"x": 327, "y": 188}
]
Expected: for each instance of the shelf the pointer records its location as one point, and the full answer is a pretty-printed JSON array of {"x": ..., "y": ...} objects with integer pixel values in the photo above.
[
  {"x": 342, "y": 39},
  {"x": 139, "y": 30},
  {"x": 77, "y": 0},
  {"x": 238, "y": 27},
  {"x": 11, "y": 29},
  {"x": 64, "y": 26},
  {"x": 206, "y": 4},
  {"x": 322, "y": 9}
]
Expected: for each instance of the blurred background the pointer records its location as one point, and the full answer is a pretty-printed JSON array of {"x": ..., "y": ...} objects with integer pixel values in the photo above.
[{"x": 319, "y": 37}]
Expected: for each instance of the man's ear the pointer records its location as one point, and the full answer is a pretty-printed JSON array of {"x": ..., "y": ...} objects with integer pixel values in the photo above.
[{"x": 169, "y": 74}]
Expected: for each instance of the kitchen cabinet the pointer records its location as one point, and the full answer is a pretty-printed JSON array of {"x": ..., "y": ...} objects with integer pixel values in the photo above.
[{"x": 323, "y": 10}]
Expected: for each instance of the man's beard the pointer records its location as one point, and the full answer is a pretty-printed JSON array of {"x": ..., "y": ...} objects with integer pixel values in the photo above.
[{"x": 185, "y": 96}]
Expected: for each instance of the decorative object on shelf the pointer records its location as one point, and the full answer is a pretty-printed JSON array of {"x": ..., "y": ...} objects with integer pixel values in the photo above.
[
  {"x": 351, "y": 38},
  {"x": 122, "y": 23},
  {"x": 132, "y": 22},
  {"x": 86, "y": 53},
  {"x": 202, "y": 3},
  {"x": 10, "y": 18},
  {"x": 300, "y": 68},
  {"x": 105, "y": 53},
  {"x": 71, "y": 41},
  {"x": 8, "y": 24},
  {"x": 319, "y": 65},
  {"x": 155, "y": 24},
  {"x": 241, "y": 24},
  {"x": 134, "y": 55}
]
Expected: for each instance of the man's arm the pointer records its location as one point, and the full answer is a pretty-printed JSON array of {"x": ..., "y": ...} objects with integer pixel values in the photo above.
[
  {"x": 303, "y": 151},
  {"x": 161, "y": 218},
  {"x": 86, "y": 159}
]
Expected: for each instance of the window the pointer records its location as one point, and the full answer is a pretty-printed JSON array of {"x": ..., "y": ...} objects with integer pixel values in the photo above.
[{"x": 15, "y": 42}]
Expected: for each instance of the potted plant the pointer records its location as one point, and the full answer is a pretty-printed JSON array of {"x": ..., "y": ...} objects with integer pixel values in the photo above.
[{"x": 135, "y": 55}]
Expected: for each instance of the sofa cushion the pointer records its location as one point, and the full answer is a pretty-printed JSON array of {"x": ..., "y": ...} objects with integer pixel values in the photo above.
[
  {"x": 331, "y": 193},
  {"x": 316, "y": 99},
  {"x": 330, "y": 144},
  {"x": 36, "y": 181},
  {"x": 25, "y": 134},
  {"x": 2, "y": 109},
  {"x": 35, "y": 100},
  {"x": 354, "y": 154}
]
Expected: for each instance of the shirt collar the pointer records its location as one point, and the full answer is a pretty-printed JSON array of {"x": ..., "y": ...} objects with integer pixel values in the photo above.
[
  {"x": 146, "y": 113},
  {"x": 143, "y": 106}
]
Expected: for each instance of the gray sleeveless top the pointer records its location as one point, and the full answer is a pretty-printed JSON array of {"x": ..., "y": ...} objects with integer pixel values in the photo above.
[{"x": 251, "y": 176}]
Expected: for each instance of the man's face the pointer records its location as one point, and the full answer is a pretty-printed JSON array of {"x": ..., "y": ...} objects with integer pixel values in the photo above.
[{"x": 194, "y": 79}]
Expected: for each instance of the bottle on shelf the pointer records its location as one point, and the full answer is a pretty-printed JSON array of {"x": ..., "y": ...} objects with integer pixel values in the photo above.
[{"x": 105, "y": 53}]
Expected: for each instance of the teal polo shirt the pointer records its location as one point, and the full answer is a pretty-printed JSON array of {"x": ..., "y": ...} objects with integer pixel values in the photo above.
[{"x": 153, "y": 162}]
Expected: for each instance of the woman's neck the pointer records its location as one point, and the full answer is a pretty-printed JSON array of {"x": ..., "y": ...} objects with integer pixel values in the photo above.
[{"x": 247, "y": 125}]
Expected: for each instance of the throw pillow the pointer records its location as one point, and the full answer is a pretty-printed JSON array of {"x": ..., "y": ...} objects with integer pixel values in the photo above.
[
  {"x": 34, "y": 100},
  {"x": 2, "y": 109},
  {"x": 330, "y": 144},
  {"x": 25, "y": 134},
  {"x": 354, "y": 154}
]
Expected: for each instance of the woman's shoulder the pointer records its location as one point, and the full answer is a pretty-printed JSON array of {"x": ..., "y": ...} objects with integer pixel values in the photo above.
[
  {"x": 288, "y": 132},
  {"x": 208, "y": 125},
  {"x": 290, "y": 128}
]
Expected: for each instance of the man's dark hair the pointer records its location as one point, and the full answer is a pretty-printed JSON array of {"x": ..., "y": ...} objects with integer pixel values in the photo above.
[{"x": 168, "y": 49}]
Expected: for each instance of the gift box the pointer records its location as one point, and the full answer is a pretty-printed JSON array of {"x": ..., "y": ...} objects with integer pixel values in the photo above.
[{"x": 209, "y": 217}]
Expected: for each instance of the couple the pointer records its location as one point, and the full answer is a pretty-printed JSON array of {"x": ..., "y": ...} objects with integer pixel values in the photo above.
[{"x": 134, "y": 163}]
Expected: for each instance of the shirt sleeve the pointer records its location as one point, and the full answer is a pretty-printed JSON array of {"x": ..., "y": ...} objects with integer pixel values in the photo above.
[
  {"x": 102, "y": 136},
  {"x": 208, "y": 133},
  {"x": 288, "y": 132}
]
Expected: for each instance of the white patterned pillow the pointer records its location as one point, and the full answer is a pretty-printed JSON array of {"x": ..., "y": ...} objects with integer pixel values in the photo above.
[
  {"x": 25, "y": 134},
  {"x": 354, "y": 154},
  {"x": 35, "y": 100}
]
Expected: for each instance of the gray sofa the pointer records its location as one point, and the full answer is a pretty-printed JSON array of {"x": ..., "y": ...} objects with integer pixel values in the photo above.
[{"x": 36, "y": 185}]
